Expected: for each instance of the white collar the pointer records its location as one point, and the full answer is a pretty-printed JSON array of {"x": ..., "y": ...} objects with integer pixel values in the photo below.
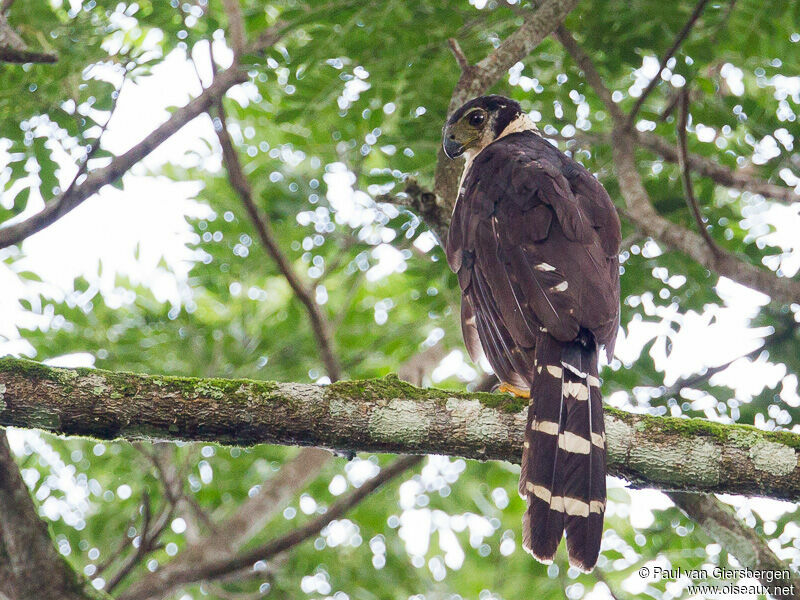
[{"x": 521, "y": 123}]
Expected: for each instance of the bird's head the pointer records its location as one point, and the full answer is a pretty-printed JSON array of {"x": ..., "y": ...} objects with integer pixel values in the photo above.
[{"x": 481, "y": 121}]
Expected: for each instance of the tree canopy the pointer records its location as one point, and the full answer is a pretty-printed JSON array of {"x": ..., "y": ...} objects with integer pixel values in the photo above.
[{"x": 249, "y": 190}]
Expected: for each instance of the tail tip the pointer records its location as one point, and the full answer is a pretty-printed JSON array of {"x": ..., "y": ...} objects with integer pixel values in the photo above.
[
  {"x": 581, "y": 565},
  {"x": 544, "y": 559}
]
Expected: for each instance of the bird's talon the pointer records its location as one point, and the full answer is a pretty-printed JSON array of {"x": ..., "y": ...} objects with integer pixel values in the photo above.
[{"x": 514, "y": 390}]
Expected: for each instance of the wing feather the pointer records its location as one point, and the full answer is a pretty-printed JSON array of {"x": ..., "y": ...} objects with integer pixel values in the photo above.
[{"x": 543, "y": 235}]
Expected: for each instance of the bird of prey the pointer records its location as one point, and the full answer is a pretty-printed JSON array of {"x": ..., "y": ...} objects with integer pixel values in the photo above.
[{"x": 534, "y": 240}]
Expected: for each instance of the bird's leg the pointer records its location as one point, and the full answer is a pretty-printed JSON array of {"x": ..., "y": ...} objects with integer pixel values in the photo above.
[{"x": 514, "y": 390}]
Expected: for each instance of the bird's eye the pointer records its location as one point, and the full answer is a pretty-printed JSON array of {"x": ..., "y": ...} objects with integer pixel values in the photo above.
[{"x": 477, "y": 118}]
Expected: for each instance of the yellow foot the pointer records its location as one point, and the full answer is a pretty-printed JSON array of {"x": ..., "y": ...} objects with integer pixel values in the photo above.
[{"x": 514, "y": 390}]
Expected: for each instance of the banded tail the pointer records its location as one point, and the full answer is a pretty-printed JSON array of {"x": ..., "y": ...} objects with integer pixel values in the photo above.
[{"x": 563, "y": 473}]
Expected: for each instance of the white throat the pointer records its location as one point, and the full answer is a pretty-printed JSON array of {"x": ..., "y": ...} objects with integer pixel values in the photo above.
[{"x": 521, "y": 123}]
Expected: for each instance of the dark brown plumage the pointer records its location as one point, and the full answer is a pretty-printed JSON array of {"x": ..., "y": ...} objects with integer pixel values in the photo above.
[{"x": 534, "y": 240}]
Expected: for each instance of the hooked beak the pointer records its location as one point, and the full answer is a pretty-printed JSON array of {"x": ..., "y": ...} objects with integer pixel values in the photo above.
[{"x": 452, "y": 147}]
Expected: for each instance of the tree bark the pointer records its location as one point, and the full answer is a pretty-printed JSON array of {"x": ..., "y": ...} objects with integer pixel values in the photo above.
[
  {"x": 385, "y": 415},
  {"x": 720, "y": 523},
  {"x": 30, "y": 567}
]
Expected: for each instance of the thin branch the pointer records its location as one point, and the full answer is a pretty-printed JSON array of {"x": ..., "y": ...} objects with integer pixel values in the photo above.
[
  {"x": 254, "y": 513},
  {"x": 142, "y": 550},
  {"x": 698, "y": 10},
  {"x": 719, "y": 173},
  {"x": 312, "y": 528},
  {"x": 6, "y": 6},
  {"x": 13, "y": 55},
  {"x": 639, "y": 209},
  {"x": 641, "y": 213},
  {"x": 541, "y": 23},
  {"x": 386, "y": 415},
  {"x": 268, "y": 37},
  {"x": 55, "y": 209},
  {"x": 261, "y": 222},
  {"x": 751, "y": 550},
  {"x": 686, "y": 176},
  {"x": 236, "y": 33},
  {"x": 83, "y": 167},
  {"x": 214, "y": 567},
  {"x": 148, "y": 540},
  {"x": 735, "y": 179},
  {"x": 478, "y": 78},
  {"x": 564, "y": 36},
  {"x": 461, "y": 58},
  {"x": 114, "y": 555}
]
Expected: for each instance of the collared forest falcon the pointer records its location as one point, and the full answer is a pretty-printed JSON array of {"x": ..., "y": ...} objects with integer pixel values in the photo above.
[{"x": 534, "y": 240}]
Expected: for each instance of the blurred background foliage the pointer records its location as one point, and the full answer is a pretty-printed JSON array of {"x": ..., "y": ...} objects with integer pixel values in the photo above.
[{"x": 341, "y": 110}]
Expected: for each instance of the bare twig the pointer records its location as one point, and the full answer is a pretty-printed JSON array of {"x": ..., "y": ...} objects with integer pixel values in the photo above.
[
  {"x": 718, "y": 173},
  {"x": 461, "y": 58},
  {"x": 148, "y": 540},
  {"x": 228, "y": 536},
  {"x": 123, "y": 545},
  {"x": 735, "y": 179},
  {"x": 57, "y": 208},
  {"x": 698, "y": 10},
  {"x": 13, "y": 55},
  {"x": 141, "y": 551},
  {"x": 236, "y": 33},
  {"x": 6, "y": 6},
  {"x": 83, "y": 167},
  {"x": 639, "y": 209},
  {"x": 301, "y": 534},
  {"x": 215, "y": 567},
  {"x": 742, "y": 542},
  {"x": 254, "y": 513},
  {"x": 641, "y": 213},
  {"x": 590, "y": 73},
  {"x": 260, "y": 220},
  {"x": 686, "y": 176}
]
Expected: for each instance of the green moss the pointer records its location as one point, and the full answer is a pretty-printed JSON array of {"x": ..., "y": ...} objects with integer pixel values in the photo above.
[
  {"x": 685, "y": 427},
  {"x": 743, "y": 436},
  {"x": 391, "y": 387},
  {"x": 213, "y": 387},
  {"x": 787, "y": 438},
  {"x": 502, "y": 401},
  {"x": 206, "y": 389},
  {"x": 29, "y": 369}
]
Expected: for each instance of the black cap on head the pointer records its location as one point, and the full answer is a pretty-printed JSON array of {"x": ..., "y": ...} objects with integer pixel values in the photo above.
[
  {"x": 478, "y": 122},
  {"x": 506, "y": 109}
]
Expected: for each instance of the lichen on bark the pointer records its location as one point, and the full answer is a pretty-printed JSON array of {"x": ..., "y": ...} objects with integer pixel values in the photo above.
[{"x": 385, "y": 415}]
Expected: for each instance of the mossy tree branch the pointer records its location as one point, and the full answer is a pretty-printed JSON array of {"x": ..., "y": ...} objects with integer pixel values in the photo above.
[{"x": 385, "y": 415}]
